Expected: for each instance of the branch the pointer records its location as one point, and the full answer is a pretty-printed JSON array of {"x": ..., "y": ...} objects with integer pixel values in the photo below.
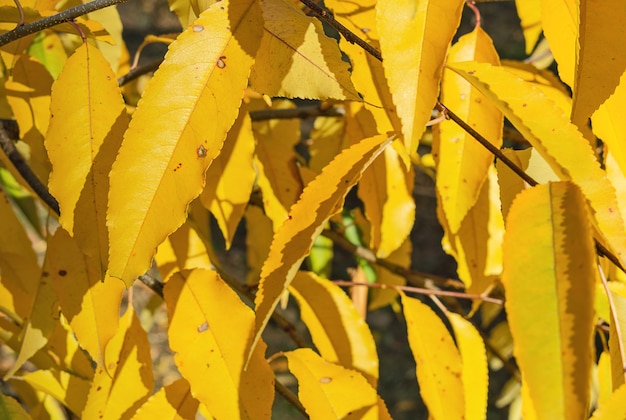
[
  {"x": 301, "y": 112},
  {"x": 6, "y": 144},
  {"x": 139, "y": 71},
  {"x": 50, "y": 21}
]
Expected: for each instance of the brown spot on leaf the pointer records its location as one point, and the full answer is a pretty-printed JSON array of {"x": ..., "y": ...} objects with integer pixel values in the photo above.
[
  {"x": 220, "y": 62},
  {"x": 326, "y": 380},
  {"x": 201, "y": 152},
  {"x": 197, "y": 28},
  {"x": 62, "y": 273}
]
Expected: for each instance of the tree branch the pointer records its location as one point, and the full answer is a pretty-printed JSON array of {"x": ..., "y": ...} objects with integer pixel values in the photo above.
[
  {"x": 301, "y": 112},
  {"x": 139, "y": 71},
  {"x": 50, "y": 21}
]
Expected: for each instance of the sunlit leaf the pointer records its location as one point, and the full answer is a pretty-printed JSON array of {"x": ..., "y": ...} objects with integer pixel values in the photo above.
[
  {"x": 474, "y": 371},
  {"x": 617, "y": 348},
  {"x": 318, "y": 202},
  {"x": 599, "y": 63},
  {"x": 613, "y": 407},
  {"x": 296, "y": 59},
  {"x": 610, "y": 125},
  {"x": 231, "y": 176},
  {"x": 182, "y": 250},
  {"x": 414, "y": 40},
  {"x": 547, "y": 128},
  {"x": 439, "y": 367},
  {"x": 48, "y": 49},
  {"x": 339, "y": 333},
  {"x": 529, "y": 12},
  {"x": 386, "y": 190},
  {"x": 462, "y": 162},
  {"x": 549, "y": 279},
  {"x": 330, "y": 391},
  {"x": 90, "y": 304},
  {"x": 204, "y": 313},
  {"x": 177, "y": 131},
  {"x": 560, "y": 21},
  {"x": 126, "y": 381},
  {"x": 172, "y": 401},
  {"x": 258, "y": 240}
]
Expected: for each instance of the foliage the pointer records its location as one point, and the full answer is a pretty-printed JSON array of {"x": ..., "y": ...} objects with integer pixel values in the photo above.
[{"x": 131, "y": 171}]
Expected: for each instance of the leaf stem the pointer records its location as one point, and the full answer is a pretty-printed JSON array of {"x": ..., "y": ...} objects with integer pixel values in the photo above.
[{"x": 67, "y": 15}]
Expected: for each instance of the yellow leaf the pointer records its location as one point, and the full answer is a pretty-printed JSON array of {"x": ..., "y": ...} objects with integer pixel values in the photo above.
[
  {"x": 319, "y": 201},
  {"x": 48, "y": 48},
  {"x": 599, "y": 63},
  {"x": 69, "y": 389},
  {"x": 126, "y": 381},
  {"x": 296, "y": 59},
  {"x": 560, "y": 19},
  {"x": 327, "y": 141},
  {"x": 439, "y": 367},
  {"x": 204, "y": 313},
  {"x": 173, "y": 401},
  {"x": 39, "y": 325},
  {"x": 259, "y": 234},
  {"x": 617, "y": 348},
  {"x": 549, "y": 279},
  {"x": 462, "y": 162},
  {"x": 231, "y": 176},
  {"x": 604, "y": 378},
  {"x": 113, "y": 51},
  {"x": 610, "y": 125},
  {"x": 477, "y": 246},
  {"x": 529, "y": 12},
  {"x": 275, "y": 161},
  {"x": 11, "y": 409},
  {"x": 414, "y": 39},
  {"x": 177, "y": 131},
  {"x": 613, "y": 407},
  {"x": 183, "y": 249},
  {"x": 339, "y": 332},
  {"x": 386, "y": 190},
  {"x": 87, "y": 111},
  {"x": 547, "y": 128},
  {"x": 90, "y": 303},
  {"x": 383, "y": 297},
  {"x": 474, "y": 371},
  {"x": 329, "y": 391}
]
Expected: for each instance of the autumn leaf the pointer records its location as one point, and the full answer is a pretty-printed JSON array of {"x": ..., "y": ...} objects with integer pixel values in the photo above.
[
  {"x": 318, "y": 202},
  {"x": 560, "y": 21},
  {"x": 171, "y": 401},
  {"x": 171, "y": 142},
  {"x": 414, "y": 40},
  {"x": 549, "y": 280}
]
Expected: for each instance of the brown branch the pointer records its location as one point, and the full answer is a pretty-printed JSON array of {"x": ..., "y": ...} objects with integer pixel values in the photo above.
[
  {"x": 421, "y": 291},
  {"x": 6, "y": 144},
  {"x": 59, "y": 18},
  {"x": 139, "y": 71},
  {"x": 301, "y": 112}
]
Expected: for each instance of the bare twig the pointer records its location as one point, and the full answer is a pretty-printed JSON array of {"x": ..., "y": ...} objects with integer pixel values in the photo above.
[
  {"x": 139, "y": 71},
  {"x": 26, "y": 172},
  {"x": 290, "y": 397},
  {"x": 59, "y": 18},
  {"x": 422, "y": 291}
]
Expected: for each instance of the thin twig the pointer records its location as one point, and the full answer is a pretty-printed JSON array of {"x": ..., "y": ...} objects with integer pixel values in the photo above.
[
  {"x": 301, "y": 112},
  {"x": 290, "y": 397},
  {"x": 59, "y": 18},
  {"x": 421, "y": 291},
  {"x": 139, "y": 71},
  {"x": 615, "y": 320},
  {"x": 26, "y": 172}
]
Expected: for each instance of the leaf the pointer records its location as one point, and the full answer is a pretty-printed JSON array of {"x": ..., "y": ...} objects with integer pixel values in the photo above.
[
  {"x": 276, "y": 164},
  {"x": 48, "y": 48},
  {"x": 529, "y": 12},
  {"x": 183, "y": 249},
  {"x": 610, "y": 125},
  {"x": 613, "y": 407},
  {"x": 474, "y": 371},
  {"x": 90, "y": 303},
  {"x": 414, "y": 40},
  {"x": 177, "y": 131},
  {"x": 69, "y": 389},
  {"x": 549, "y": 280},
  {"x": 231, "y": 176},
  {"x": 547, "y": 128},
  {"x": 126, "y": 382},
  {"x": 259, "y": 234},
  {"x": 386, "y": 190},
  {"x": 382, "y": 297},
  {"x": 11, "y": 409},
  {"x": 87, "y": 110},
  {"x": 462, "y": 162},
  {"x": 318, "y": 202},
  {"x": 173, "y": 401},
  {"x": 204, "y": 313},
  {"x": 616, "y": 348},
  {"x": 560, "y": 19},
  {"x": 329, "y": 391},
  {"x": 439, "y": 367},
  {"x": 296, "y": 59},
  {"x": 339, "y": 333},
  {"x": 599, "y": 63}
]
